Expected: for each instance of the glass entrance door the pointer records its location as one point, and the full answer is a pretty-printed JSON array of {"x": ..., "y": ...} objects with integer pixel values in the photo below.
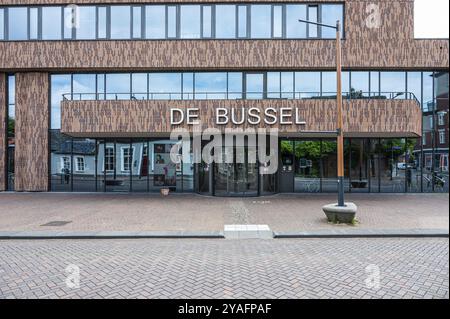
[{"x": 239, "y": 178}]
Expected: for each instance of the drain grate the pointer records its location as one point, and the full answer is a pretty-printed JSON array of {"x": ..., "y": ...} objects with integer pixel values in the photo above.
[{"x": 57, "y": 223}]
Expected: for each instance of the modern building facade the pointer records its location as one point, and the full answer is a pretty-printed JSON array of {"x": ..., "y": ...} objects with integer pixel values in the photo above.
[{"x": 87, "y": 90}]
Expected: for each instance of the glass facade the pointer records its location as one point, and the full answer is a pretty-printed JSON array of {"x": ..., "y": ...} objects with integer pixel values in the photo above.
[
  {"x": 208, "y": 21},
  {"x": 230, "y": 85},
  {"x": 10, "y": 133},
  {"x": 372, "y": 164}
]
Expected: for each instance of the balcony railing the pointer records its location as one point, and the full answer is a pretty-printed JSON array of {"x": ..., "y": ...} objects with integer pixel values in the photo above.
[{"x": 239, "y": 96}]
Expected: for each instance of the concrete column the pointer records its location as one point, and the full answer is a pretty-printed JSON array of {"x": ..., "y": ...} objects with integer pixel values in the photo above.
[{"x": 32, "y": 124}]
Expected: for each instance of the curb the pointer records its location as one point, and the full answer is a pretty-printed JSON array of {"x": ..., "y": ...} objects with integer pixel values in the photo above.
[
  {"x": 4, "y": 235},
  {"x": 366, "y": 233}
]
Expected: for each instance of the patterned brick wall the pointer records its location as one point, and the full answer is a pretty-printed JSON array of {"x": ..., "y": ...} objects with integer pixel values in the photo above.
[
  {"x": 389, "y": 44},
  {"x": 381, "y": 118},
  {"x": 31, "y": 154},
  {"x": 3, "y": 137}
]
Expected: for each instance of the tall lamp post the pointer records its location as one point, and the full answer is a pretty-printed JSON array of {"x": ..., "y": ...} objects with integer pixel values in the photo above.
[{"x": 340, "y": 135}]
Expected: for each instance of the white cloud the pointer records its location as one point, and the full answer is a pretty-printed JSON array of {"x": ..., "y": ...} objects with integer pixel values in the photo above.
[{"x": 431, "y": 18}]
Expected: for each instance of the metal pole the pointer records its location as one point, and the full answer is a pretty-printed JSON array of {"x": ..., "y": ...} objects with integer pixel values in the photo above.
[{"x": 340, "y": 135}]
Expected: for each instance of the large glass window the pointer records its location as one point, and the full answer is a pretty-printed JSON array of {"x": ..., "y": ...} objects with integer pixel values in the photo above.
[
  {"x": 34, "y": 23},
  {"x": 17, "y": 23},
  {"x": 206, "y": 21},
  {"x": 102, "y": 13},
  {"x": 118, "y": 86},
  {"x": 313, "y": 30},
  {"x": 210, "y": 85},
  {"x": 260, "y": 27},
  {"x": 165, "y": 86},
  {"x": 393, "y": 84},
  {"x": 87, "y": 24},
  {"x": 139, "y": 86},
  {"x": 51, "y": 23},
  {"x": 171, "y": 21},
  {"x": 295, "y": 28},
  {"x": 359, "y": 86},
  {"x": 2, "y": 23},
  {"x": 190, "y": 22},
  {"x": 225, "y": 21},
  {"x": 155, "y": 19},
  {"x": 70, "y": 22},
  {"x": 414, "y": 82},
  {"x": 277, "y": 31},
  {"x": 330, "y": 14},
  {"x": 60, "y": 84},
  {"x": 273, "y": 85},
  {"x": 242, "y": 21},
  {"x": 83, "y": 87},
  {"x": 137, "y": 22},
  {"x": 254, "y": 85},
  {"x": 235, "y": 85},
  {"x": 307, "y": 84},
  {"x": 120, "y": 22}
]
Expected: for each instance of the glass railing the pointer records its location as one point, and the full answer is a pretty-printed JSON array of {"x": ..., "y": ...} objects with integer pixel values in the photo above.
[{"x": 358, "y": 95}]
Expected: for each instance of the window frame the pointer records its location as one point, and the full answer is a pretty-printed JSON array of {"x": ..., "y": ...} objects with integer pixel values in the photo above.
[
  {"x": 77, "y": 164},
  {"x": 122, "y": 159}
]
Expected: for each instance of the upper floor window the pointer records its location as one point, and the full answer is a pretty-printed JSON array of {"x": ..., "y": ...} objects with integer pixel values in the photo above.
[{"x": 171, "y": 21}]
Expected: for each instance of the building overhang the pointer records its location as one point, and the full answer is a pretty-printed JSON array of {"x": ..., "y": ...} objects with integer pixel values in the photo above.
[{"x": 293, "y": 118}]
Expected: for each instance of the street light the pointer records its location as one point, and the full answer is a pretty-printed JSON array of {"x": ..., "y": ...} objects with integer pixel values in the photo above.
[{"x": 340, "y": 136}]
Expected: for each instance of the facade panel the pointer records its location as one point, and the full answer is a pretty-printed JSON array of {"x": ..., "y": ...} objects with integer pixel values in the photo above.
[{"x": 32, "y": 118}]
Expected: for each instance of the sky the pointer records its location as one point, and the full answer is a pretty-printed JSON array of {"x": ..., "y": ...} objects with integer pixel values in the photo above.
[{"x": 431, "y": 18}]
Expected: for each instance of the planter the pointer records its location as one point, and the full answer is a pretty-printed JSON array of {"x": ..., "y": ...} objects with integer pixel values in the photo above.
[
  {"x": 165, "y": 191},
  {"x": 342, "y": 214}
]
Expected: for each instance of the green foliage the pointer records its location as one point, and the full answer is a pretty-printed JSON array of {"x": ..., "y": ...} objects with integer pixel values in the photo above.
[{"x": 11, "y": 125}]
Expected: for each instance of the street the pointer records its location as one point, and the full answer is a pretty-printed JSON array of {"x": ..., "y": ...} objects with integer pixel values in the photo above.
[{"x": 218, "y": 268}]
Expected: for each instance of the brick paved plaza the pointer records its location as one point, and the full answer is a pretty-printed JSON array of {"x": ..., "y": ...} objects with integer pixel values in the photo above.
[
  {"x": 217, "y": 268},
  {"x": 134, "y": 212}
]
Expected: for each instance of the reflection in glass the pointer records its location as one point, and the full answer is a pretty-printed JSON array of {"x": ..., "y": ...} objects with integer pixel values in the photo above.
[
  {"x": 307, "y": 166},
  {"x": 101, "y": 22},
  {"x": 120, "y": 22},
  {"x": 287, "y": 85},
  {"x": 294, "y": 28},
  {"x": 34, "y": 24},
  {"x": 329, "y": 166},
  {"x": 155, "y": 19},
  {"x": 207, "y": 21},
  {"x": 69, "y": 19},
  {"x": 330, "y": 14},
  {"x": 139, "y": 86},
  {"x": 165, "y": 86},
  {"x": 17, "y": 23},
  {"x": 277, "y": 21},
  {"x": 171, "y": 21},
  {"x": 359, "y": 169},
  {"x": 86, "y": 28},
  {"x": 118, "y": 86},
  {"x": 393, "y": 85},
  {"x": 51, "y": 22},
  {"x": 254, "y": 86},
  {"x": 83, "y": 87},
  {"x": 273, "y": 85},
  {"x": 2, "y": 23},
  {"x": 60, "y": 84},
  {"x": 242, "y": 21},
  {"x": 188, "y": 86},
  {"x": 307, "y": 84},
  {"x": 190, "y": 21},
  {"x": 374, "y": 83},
  {"x": 313, "y": 17},
  {"x": 225, "y": 21},
  {"x": 414, "y": 83},
  {"x": 359, "y": 86},
  {"x": 234, "y": 85},
  {"x": 210, "y": 85},
  {"x": 137, "y": 17},
  {"x": 260, "y": 21},
  {"x": 11, "y": 131}
]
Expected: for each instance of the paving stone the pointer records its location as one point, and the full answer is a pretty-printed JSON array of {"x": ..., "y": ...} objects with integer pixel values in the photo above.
[{"x": 207, "y": 268}]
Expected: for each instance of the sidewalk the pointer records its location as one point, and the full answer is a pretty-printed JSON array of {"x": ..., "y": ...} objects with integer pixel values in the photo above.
[{"x": 193, "y": 215}]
